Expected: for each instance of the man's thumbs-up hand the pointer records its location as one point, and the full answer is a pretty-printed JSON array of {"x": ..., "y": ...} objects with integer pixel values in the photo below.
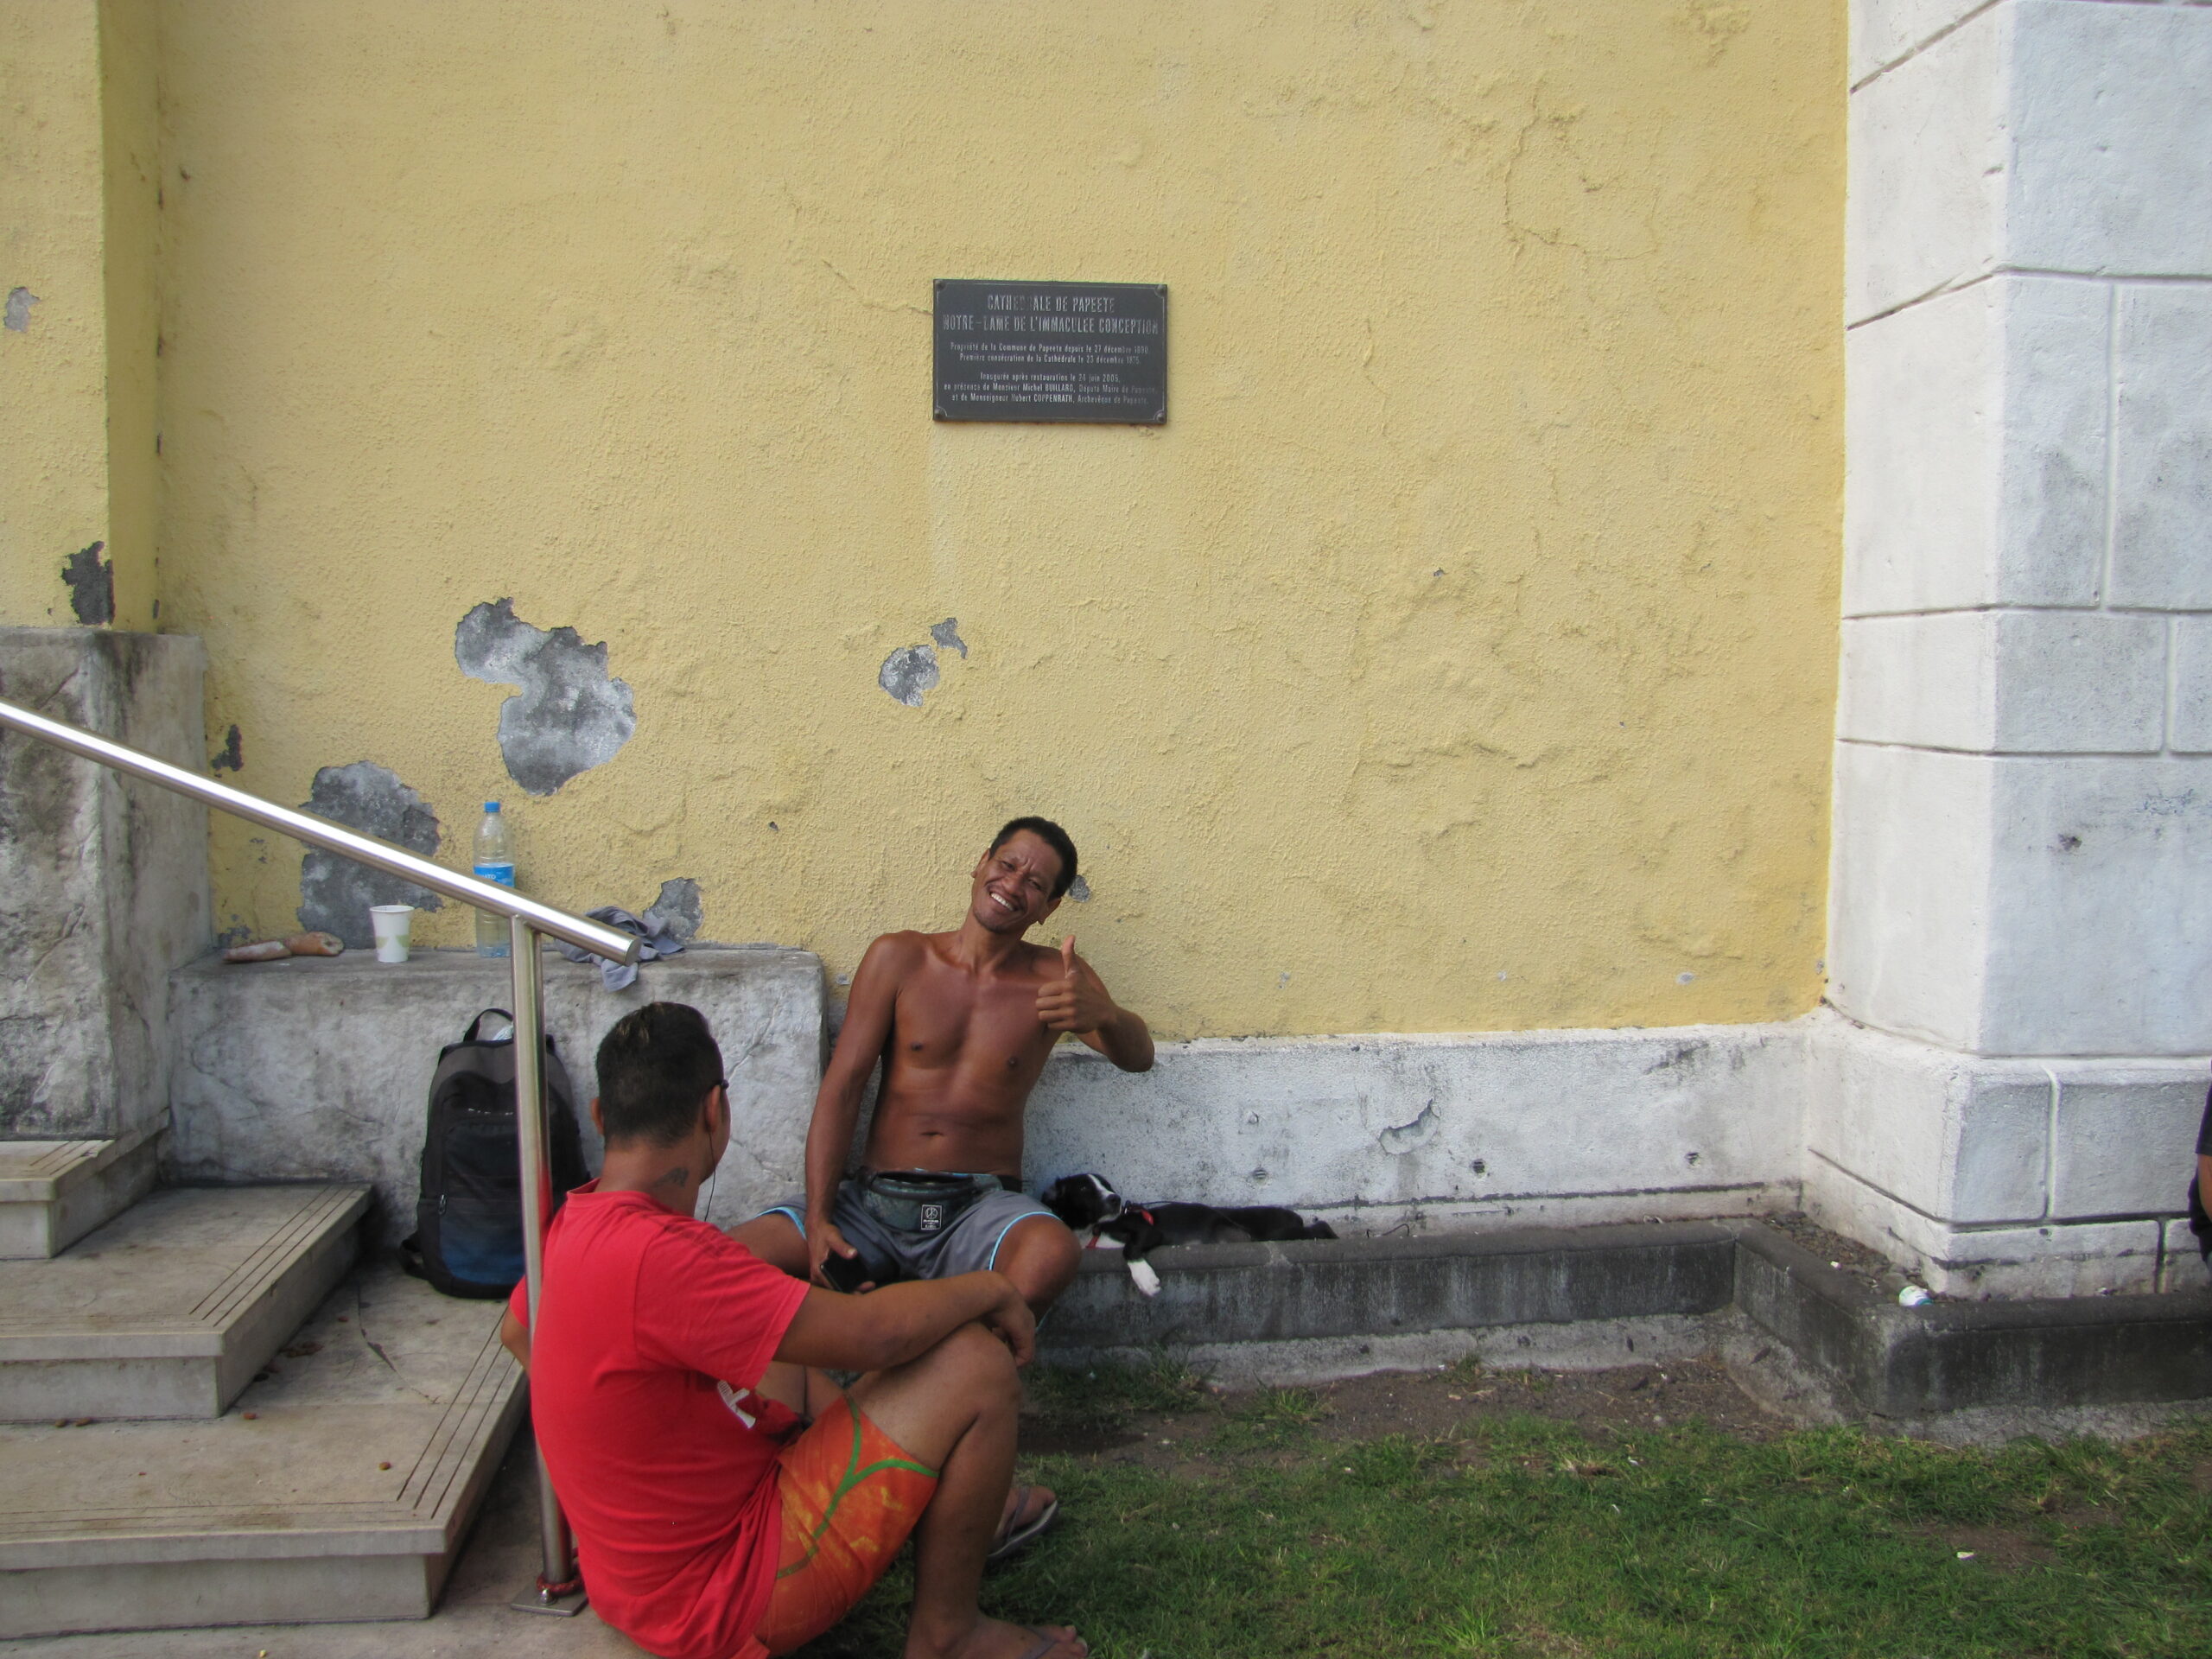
[{"x": 1077, "y": 999}]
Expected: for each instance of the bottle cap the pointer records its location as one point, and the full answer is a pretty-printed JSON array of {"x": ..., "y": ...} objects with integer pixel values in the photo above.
[{"x": 491, "y": 806}]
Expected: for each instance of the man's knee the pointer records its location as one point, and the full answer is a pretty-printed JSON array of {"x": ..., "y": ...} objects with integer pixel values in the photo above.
[
  {"x": 776, "y": 1239},
  {"x": 1039, "y": 1253},
  {"x": 977, "y": 1360}
]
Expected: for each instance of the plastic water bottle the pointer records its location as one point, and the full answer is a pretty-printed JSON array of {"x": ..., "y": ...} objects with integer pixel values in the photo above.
[{"x": 495, "y": 861}]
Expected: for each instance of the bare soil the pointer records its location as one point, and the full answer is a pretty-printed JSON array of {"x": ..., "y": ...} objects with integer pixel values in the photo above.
[{"x": 1428, "y": 1405}]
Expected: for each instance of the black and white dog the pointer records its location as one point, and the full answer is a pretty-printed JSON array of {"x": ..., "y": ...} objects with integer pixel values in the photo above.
[{"x": 1088, "y": 1204}]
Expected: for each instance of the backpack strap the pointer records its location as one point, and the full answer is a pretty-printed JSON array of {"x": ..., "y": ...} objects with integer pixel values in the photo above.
[{"x": 470, "y": 1036}]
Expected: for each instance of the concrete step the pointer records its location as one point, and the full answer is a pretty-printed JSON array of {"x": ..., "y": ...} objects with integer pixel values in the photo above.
[
  {"x": 169, "y": 1309},
  {"x": 53, "y": 1193},
  {"x": 339, "y": 1488}
]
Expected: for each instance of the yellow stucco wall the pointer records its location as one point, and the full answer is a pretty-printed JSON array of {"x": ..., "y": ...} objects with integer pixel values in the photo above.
[
  {"x": 78, "y": 235},
  {"x": 53, "y": 482},
  {"x": 130, "y": 231},
  {"x": 1459, "y": 655}
]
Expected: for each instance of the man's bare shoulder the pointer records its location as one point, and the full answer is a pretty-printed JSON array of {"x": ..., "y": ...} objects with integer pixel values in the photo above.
[
  {"x": 1042, "y": 960},
  {"x": 898, "y": 952}
]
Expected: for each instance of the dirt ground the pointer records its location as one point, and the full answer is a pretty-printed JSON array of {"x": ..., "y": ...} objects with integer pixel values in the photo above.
[{"x": 1433, "y": 1403}]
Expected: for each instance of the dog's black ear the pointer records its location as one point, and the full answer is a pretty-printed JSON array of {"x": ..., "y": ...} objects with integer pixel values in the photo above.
[{"x": 1065, "y": 1198}]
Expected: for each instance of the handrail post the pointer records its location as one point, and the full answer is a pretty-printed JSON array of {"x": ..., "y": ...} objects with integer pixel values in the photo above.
[{"x": 559, "y": 1589}]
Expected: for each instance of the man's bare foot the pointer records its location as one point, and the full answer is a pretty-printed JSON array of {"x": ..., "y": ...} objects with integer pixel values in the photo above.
[{"x": 993, "y": 1638}]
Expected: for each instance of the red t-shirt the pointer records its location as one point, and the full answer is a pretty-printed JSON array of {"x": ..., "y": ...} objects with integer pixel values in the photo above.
[{"x": 652, "y": 1329}]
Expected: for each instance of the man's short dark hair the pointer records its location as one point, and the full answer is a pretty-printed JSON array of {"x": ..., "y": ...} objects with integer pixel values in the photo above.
[
  {"x": 655, "y": 1067},
  {"x": 1053, "y": 836}
]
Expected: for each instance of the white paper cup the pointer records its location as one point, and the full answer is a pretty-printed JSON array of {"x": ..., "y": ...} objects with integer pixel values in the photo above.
[{"x": 393, "y": 923}]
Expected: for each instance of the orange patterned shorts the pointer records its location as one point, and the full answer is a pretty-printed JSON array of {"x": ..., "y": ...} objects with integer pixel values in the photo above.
[{"x": 850, "y": 1495}]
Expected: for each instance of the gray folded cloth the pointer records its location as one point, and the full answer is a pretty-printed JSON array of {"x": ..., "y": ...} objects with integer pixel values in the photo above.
[{"x": 655, "y": 929}]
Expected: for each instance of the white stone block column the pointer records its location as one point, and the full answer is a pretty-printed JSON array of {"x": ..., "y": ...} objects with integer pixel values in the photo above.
[{"x": 2021, "y": 920}]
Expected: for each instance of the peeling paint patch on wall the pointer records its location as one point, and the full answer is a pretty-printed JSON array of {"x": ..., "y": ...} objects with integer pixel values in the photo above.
[
  {"x": 680, "y": 907},
  {"x": 335, "y": 892},
  {"x": 569, "y": 716},
  {"x": 20, "y": 301},
  {"x": 907, "y": 673},
  {"x": 947, "y": 635},
  {"x": 233, "y": 759},
  {"x": 91, "y": 585}
]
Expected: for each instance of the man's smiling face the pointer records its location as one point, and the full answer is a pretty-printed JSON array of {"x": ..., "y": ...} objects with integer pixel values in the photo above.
[{"x": 1012, "y": 890}]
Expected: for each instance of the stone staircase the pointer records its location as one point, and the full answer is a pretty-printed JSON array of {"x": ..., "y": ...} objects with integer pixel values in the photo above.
[
  {"x": 53, "y": 1193},
  {"x": 212, "y": 1413}
]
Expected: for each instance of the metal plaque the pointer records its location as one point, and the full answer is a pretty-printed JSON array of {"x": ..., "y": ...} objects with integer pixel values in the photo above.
[{"x": 1051, "y": 352}]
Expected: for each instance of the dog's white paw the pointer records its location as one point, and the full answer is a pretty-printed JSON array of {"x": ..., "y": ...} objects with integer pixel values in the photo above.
[{"x": 1147, "y": 1279}]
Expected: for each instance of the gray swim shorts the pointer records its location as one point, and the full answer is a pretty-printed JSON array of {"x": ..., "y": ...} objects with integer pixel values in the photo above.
[{"x": 933, "y": 1246}]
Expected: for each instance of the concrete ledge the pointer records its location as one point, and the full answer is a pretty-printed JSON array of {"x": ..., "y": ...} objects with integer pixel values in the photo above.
[
  {"x": 1382, "y": 1287},
  {"x": 319, "y": 1068},
  {"x": 1377, "y": 1304},
  {"x": 1946, "y": 1356}
]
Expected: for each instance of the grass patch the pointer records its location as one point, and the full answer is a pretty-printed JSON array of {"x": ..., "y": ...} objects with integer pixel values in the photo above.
[
  {"x": 1519, "y": 1537},
  {"x": 1271, "y": 1418}
]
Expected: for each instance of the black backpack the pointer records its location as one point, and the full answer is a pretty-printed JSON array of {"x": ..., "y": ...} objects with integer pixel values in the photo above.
[{"x": 467, "y": 1238}]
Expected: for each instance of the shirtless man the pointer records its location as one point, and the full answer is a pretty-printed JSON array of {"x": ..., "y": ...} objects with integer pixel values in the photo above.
[{"x": 962, "y": 1022}]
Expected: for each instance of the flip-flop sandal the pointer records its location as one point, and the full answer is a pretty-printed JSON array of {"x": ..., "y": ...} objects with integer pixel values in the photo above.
[
  {"x": 1018, "y": 1535},
  {"x": 1046, "y": 1641}
]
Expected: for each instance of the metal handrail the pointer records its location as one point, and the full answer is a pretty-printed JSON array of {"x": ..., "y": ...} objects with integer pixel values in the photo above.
[
  {"x": 594, "y": 937},
  {"x": 556, "y": 1590}
]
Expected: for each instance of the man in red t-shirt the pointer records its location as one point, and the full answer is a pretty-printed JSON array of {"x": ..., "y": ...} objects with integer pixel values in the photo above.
[{"x": 672, "y": 1398}]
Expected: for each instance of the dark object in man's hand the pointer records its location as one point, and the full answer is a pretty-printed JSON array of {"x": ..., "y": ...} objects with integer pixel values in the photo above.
[{"x": 845, "y": 1272}]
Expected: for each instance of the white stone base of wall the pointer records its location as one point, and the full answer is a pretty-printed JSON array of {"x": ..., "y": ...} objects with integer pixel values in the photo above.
[
  {"x": 2005, "y": 1177},
  {"x": 1376, "y": 1133},
  {"x": 1986, "y": 1177}
]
